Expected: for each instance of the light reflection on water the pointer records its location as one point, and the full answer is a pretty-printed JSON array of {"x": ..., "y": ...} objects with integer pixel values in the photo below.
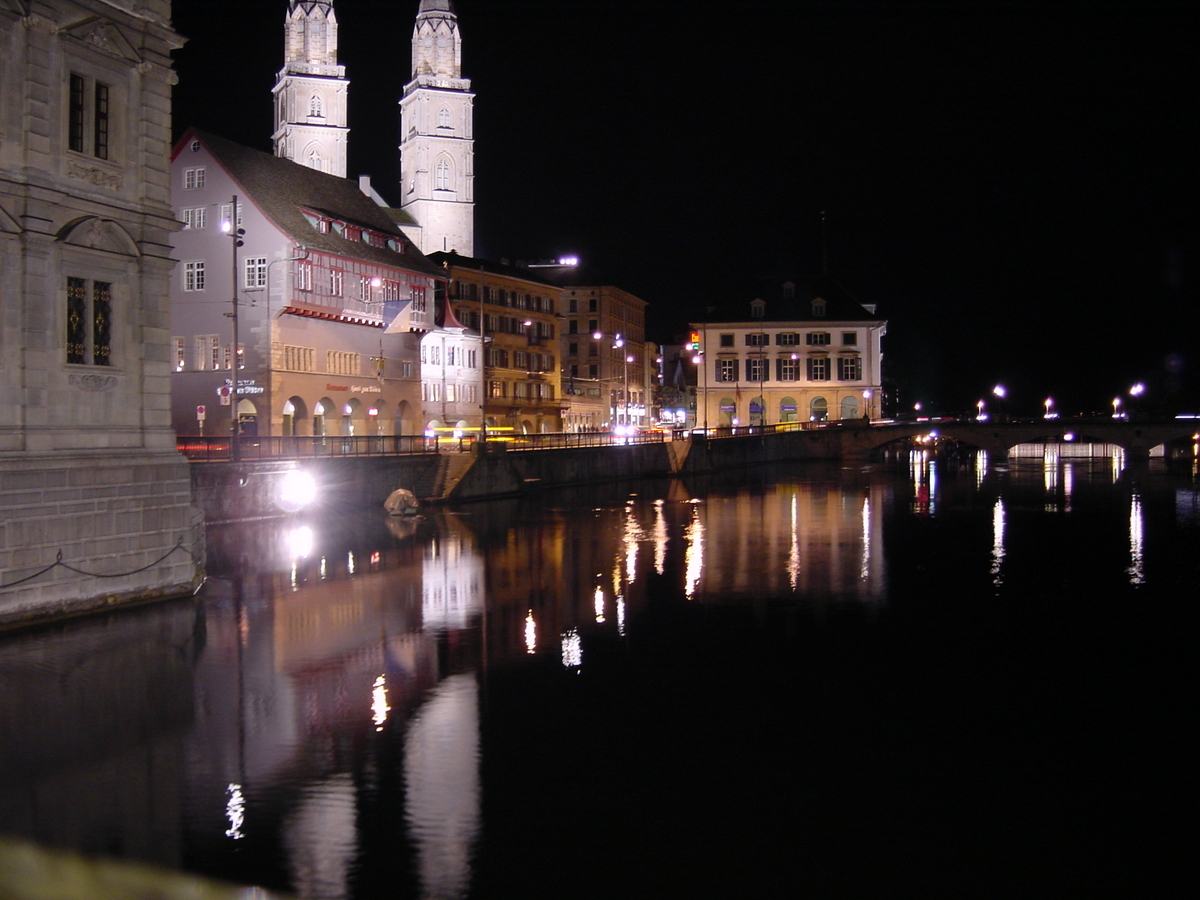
[{"x": 316, "y": 712}]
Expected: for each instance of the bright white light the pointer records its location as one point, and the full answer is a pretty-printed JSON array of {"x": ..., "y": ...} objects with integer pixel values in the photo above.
[
  {"x": 572, "y": 649},
  {"x": 300, "y": 542},
  {"x": 235, "y": 811},
  {"x": 598, "y": 604},
  {"x": 1137, "y": 573},
  {"x": 225, "y": 227},
  {"x": 999, "y": 391},
  {"x": 568, "y": 260},
  {"x": 297, "y": 489},
  {"x": 1137, "y": 390},
  {"x": 530, "y": 633},
  {"x": 379, "y": 704}
]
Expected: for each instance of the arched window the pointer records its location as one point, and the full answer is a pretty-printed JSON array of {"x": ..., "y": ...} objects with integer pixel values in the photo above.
[
  {"x": 850, "y": 408},
  {"x": 315, "y": 161},
  {"x": 442, "y": 181},
  {"x": 314, "y": 106},
  {"x": 818, "y": 409},
  {"x": 444, "y": 118}
]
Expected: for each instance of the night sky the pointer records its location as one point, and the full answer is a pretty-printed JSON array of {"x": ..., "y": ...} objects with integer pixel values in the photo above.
[{"x": 1014, "y": 184}]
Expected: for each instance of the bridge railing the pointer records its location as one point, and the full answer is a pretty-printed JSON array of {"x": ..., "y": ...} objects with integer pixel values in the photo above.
[
  {"x": 575, "y": 440},
  {"x": 213, "y": 448},
  {"x": 728, "y": 431}
]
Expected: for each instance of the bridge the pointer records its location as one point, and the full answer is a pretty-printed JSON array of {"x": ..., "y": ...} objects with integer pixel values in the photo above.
[{"x": 1136, "y": 438}]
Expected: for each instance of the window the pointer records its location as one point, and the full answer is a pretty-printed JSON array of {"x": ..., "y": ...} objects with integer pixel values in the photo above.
[
  {"x": 787, "y": 339},
  {"x": 818, "y": 368},
  {"x": 314, "y": 106},
  {"x": 849, "y": 368},
  {"x": 572, "y": 306},
  {"x": 756, "y": 370},
  {"x": 304, "y": 276},
  {"x": 341, "y": 362},
  {"x": 89, "y": 322},
  {"x": 256, "y": 272},
  {"x": 391, "y": 291},
  {"x": 727, "y": 369},
  {"x": 444, "y": 119},
  {"x": 850, "y": 338},
  {"x": 593, "y": 326},
  {"x": 496, "y": 389},
  {"x": 818, "y": 307},
  {"x": 572, "y": 349},
  {"x": 594, "y": 372},
  {"x": 418, "y": 298},
  {"x": 756, "y": 340},
  {"x": 364, "y": 288},
  {"x": 817, "y": 338},
  {"x": 592, "y": 301},
  {"x": 521, "y": 360},
  {"x": 208, "y": 351},
  {"x": 299, "y": 359},
  {"x": 787, "y": 369},
  {"x": 442, "y": 175},
  {"x": 572, "y": 326},
  {"x": 727, "y": 340},
  {"x": 193, "y": 180},
  {"x": 472, "y": 359},
  {"x": 177, "y": 347},
  {"x": 193, "y": 276},
  {"x": 193, "y": 218},
  {"x": 88, "y": 129}
]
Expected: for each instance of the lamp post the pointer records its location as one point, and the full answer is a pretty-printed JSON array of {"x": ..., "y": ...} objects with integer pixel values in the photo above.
[
  {"x": 618, "y": 344},
  {"x": 235, "y": 233}
]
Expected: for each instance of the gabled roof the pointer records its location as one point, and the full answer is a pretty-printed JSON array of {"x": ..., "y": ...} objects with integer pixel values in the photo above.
[
  {"x": 282, "y": 189},
  {"x": 797, "y": 305}
]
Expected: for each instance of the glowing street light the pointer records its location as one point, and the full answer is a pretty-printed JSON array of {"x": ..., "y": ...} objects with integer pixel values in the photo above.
[{"x": 1050, "y": 411}]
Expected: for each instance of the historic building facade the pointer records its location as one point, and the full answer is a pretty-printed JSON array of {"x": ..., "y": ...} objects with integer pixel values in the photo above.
[
  {"x": 437, "y": 174},
  {"x": 608, "y": 367},
  {"x": 785, "y": 360},
  {"x": 516, "y": 311},
  {"x": 95, "y": 502},
  {"x": 312, "y": 89},
  {"x": 331, "y": 300}
]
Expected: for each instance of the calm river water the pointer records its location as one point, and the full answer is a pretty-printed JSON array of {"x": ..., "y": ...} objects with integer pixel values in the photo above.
[{"x": 922, "y": 679}]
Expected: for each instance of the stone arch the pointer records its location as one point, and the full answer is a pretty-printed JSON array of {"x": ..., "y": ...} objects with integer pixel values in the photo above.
[
  {"x": 324, "y": 412},
  {"x": 818, "y": 409},
  {"x": 758, "y": 411},
  {"x": 354, "y": 417},
  {"x": 295, "y": 420},
  {"x": 402, "y": 421},
  {"x": 247, "y": 414},
  {"x": 787, "y": 409},
  {"x": 726, "y": 411},
  {"x": 96, "y": 233},
  {"x": 849, "y": 408},
  {"x": 379, "y": 419}
]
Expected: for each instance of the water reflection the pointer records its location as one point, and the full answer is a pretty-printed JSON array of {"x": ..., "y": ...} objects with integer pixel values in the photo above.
[{"x": 315, "y": 721}]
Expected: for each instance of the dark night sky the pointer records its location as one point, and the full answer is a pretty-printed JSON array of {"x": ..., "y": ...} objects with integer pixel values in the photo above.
[{"x": 1012, "y": 183}]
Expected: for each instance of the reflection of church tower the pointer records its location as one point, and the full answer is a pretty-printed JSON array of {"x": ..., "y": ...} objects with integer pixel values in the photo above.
[
  {"x": 436, "y": 143},
  {"x": 310, "y": 95}
]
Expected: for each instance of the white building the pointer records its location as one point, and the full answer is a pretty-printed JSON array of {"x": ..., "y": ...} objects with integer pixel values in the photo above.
[
  {"x": 437, "y": 166},
  {"x": 311, "y": 93},
  {"x": 95, "y": 503},
  {"x": 331, "y": 299},
  {"x": 789, "y": 360}
]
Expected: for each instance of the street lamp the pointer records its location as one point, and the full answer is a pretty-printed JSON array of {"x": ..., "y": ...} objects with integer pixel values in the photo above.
[
  {"x": 236, "y": 234},
  {"x": 618, "y": 343},
  {"x": 1050, "y": 411}
]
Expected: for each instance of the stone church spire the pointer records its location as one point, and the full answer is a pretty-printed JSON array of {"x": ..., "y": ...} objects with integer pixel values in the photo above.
[
  {"x": 437, "y": 138},
  {"x": 310, "y": 93}
]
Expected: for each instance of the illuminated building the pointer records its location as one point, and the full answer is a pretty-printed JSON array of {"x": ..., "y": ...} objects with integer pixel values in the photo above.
[
  {"x": 90, "y": 481},
  {"x": 607, "y": 377},
  {"x": 332, "y": 300},
  {"x": 520, "y": 322},
  {"x": 790, "y": 360}
]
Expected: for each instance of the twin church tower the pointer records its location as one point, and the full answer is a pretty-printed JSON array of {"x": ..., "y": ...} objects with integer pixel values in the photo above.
[{"x": 436, "y": 139}]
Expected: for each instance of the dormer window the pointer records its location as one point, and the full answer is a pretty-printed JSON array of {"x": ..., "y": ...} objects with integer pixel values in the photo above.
[
  {"x": 818, "y": 307},
  {"x": 757, "y": 309}
]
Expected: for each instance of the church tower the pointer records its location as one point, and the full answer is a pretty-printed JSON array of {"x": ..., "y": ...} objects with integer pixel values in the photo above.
[
  {"x": 437, "y": 140},
  {"x": 310, "y": 95}
]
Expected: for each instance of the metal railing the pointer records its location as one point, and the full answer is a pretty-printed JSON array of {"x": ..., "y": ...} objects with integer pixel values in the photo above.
[
  {"x": 575, "y": 440},
  {"x": 210, "y": 449}
]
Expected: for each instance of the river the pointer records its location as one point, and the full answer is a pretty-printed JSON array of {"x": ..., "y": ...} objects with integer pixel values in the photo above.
[{"x": 917, "y": 678}]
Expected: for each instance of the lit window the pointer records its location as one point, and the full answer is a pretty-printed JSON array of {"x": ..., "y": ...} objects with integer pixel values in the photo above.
[
  {"x": 193, "y": 276},
  {"x": 727, "y": 369},
  {"x": 194, "y": 218},
  {"x": 89, "y": 322},
  {"x": 256, "y": 272},
  {"x": 193, "y": 179},
  {"x": 849, "y": 368}
]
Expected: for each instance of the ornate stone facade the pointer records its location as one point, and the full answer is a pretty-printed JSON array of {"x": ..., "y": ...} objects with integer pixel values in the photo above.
[{"x": 94, "y": 500}]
